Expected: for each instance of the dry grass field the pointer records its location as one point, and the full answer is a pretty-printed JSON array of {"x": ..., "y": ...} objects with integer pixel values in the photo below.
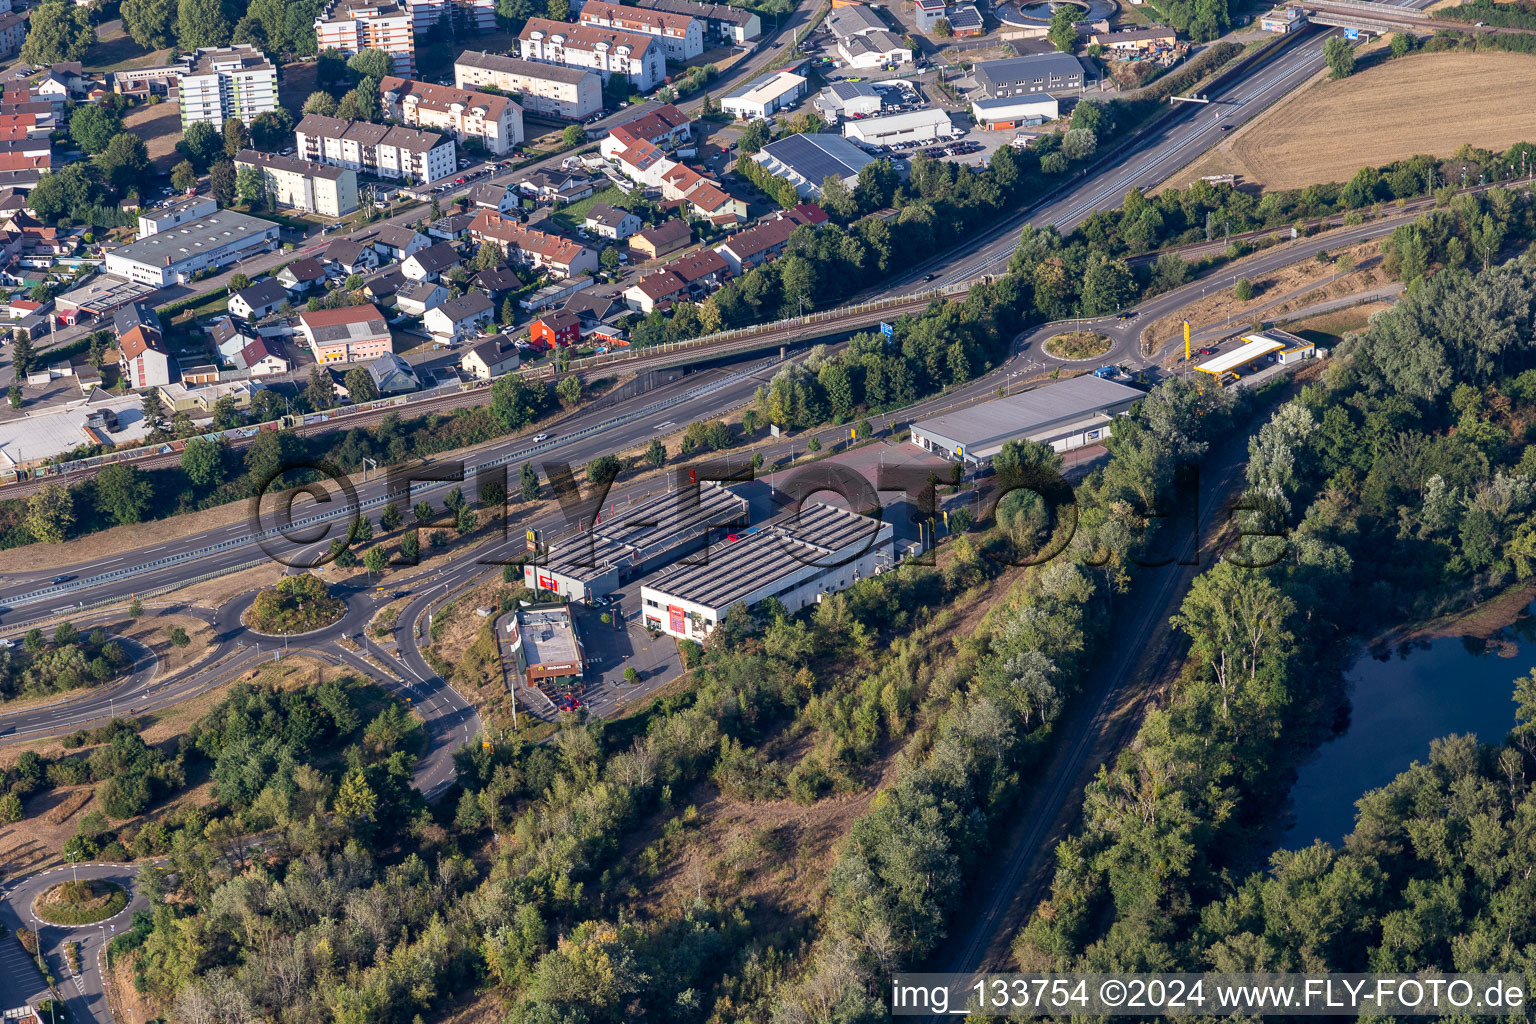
[{"x": 1426, "y": 103}]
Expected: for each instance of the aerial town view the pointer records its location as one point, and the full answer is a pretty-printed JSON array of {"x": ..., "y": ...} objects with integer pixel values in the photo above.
[{"x": 766, "y": 512}]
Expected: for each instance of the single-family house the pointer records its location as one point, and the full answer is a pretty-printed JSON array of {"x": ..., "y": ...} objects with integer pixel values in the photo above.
[
  {"x": 668, "y": 236},
  {"x": 459, "y": 318},
  {"x": 263, "y": 297},
  {"x": 393, "y": 375},
  {"x": 606, "y": 221},
  {"x": 302, "y": 275},
  {"x": 416, "y": 297},
  {"x": 431, "y": 263},
  {"x": 491, "y": 358}
]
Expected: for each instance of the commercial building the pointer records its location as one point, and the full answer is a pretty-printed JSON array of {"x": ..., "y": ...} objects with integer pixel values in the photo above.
[
  {"x": 874, "y": 50},
  {"x": 805, "y": 161},
  {"x": 929, "y": 13},
  {"x": 183, "y": 212},
  {"x": 347, "y": 335},
  {"x": 626, "y": 544},
  {"x": 304, "y": 184},
  {"x": 1019, "y": 76},
  {"x": 225, "y": 82},
  {"x": 682, "y": 35},
  {"x": 384, "y": 151},
  {"x": 1134, "y": 39},
  {"x": 847, "y": 100},
  {"x": 723, "y": 25},
  {"x": 1283, "y": 20},
  {"x": 765, "y": 95},
  {"x": 560, "y": 256},
  {"x": 1008, "y": 112},
  {"x": 544, "y": 644},
  {"x": 496, "y": 122},
  {"x": 795, "y": 559},
  {"x": 352, "y": 26},
  {"x": 568, "y": 92},
  {"x": 1065, "y": 415},
  {"x": 1279, "y": 346},
  {"x": 925, "y": 125},
  {"x": 172, "y": 255},
  {"x": 638, "y": 57}
]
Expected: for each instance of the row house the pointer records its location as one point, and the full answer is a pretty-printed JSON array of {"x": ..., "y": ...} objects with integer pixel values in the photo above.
[
  {"x": 688, "y": 277},
  {"x": 767, "y": 240},
  {"x": 562, "y": 257}
]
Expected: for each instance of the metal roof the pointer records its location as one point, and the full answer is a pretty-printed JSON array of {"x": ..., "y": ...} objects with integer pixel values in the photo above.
[
  {"x": 644, "y": 530},
  {"x": 1025, "y": 69},
  {"x": 815, "y": 157},
  {"x": 1255, "y": 345},
  {"x": 1026, "y": 413},
  {"x": 819, "y": 537},
  {"x": 185, "y": 241}
]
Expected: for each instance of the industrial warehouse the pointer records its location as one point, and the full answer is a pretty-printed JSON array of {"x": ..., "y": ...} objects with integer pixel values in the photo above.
[
  {"x": 1065, "y": 415},
  {"x": 640, "y": 539},
  {"x": 795, "y": 559}
]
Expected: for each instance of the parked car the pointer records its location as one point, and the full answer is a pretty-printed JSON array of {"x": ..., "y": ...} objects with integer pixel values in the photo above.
[{"x": 1207, "y": 352}]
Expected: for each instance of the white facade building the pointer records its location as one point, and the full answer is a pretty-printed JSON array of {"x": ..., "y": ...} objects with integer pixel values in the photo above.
[
  {"x": 172, "y": 255},
  {"x": 682, "y": 35},
  {"x": 352, "y": 26},
  {"x": 795, "y": 559},
  {"x": 568, "y": 92},
  {"x": 496, "y": 121},
  {"x": 924, "y": 125},
  {"x": 640, "y": 58},
  {"x": 765, "y": 95},
  {"x": 225, "y": 82},
  {"x": 479, "y": 15},
  {"x": 304, "y": 184},
  {"x": 384, "y": 151}
]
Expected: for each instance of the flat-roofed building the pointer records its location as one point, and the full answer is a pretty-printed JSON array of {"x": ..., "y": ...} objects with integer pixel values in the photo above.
[
  {"x": 352, "y": 26},
  {"x": 764, "y": 95},
  {"x": 1019, "y": 76},
  {"x": 1008, "y": 112},
  {"x": 544, "y": 644},
  {"x": 847, "y": 100},
  {"x": 172, "y": 255},
  {"x": 723, "y": 25},
  {"x": 805, "y": 161},
  {"x": 306, "y": 185},
  {"x": 795, "y": 559},
  {"x": 181, "y": 212},
  {"x": 1066, "y": 414},
  {"x": 681, "y": 34},
  {"x": 1284, "y": 20},
  {"x": 640, "y": 58},
  {"x": 926, "y": 125},
  {"x": 496, "y": 121},
  {"x": 224, "y": 82},
  {"x": 480, "y": 15},
  {"x": 572, "y": 93},
  {"x": 347, "y": 335},
  {"x": 384, "y": 151},
  {"x": 633, "y": 541}
]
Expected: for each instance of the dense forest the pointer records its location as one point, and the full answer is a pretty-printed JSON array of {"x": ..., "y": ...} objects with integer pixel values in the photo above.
[{"x": 1409, "y": 470}]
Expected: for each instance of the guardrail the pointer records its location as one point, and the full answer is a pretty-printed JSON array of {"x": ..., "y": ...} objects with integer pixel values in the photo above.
[{"x": 381, "y": 499}]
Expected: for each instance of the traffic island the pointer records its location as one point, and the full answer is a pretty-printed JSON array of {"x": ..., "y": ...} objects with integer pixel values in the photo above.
[
  {"x": 1077, "y": 345},
  {"x": 295, "y": 606},
  {"x": 88, "y": 901}
]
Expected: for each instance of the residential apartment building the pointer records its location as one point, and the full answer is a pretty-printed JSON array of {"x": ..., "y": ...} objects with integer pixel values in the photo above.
[
  {"x": 478, "y": 15},
  {"x": 495, "y": 121},
  {"x": 723, "y": 25},
  {"x": 682, "y": 34},
  {"x": 384, "y": 151},
  {"x": 566, "y": 92},
  {"x": 666, "y": 127},
  {"x": 347, "y": 335},
  {"x": 304, "y": 184},
  {"x": 13, "y": 32},
  {"x": 225, "y": 82},
  {"x": 352, "y": 26},
  {"x": 639, "y": 58},
  {"x": 560, "y": 256},
  {"x": 143, "y": 359}
]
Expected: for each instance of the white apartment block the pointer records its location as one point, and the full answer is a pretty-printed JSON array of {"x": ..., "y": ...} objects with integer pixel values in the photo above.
[
  {"x": 570, "y": 93},
  {"x": 682, "y": 35},
  {"x": 352, "y": 26},
  {"x": 608, "y": 51},
  {"x": 225, "y": 82},
  {"x": 304, "y": 184},
  {"x": 479, "y": 15},
  {"x": 383, "y": 151},
  {"x": 495, "y": 120}
]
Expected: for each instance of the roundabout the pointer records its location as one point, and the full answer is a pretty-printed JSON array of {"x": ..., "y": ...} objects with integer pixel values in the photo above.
[
  {"x": 1077, "y": 346},
  {"x": 300, "y": 605},
  {"x": 80, "y": 903}
]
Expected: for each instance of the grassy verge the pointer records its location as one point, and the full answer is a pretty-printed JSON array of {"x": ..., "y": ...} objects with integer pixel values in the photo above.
[
  {"x": 1077, "y": 345},
  {"x": 87, "y": 902}
]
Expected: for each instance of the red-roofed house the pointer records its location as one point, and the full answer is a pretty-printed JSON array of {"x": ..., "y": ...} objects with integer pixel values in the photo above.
[
  {"x": 347, "y": 335},
  {"x": 143, "y": 359},
  {"x": 560, "y": 256}
]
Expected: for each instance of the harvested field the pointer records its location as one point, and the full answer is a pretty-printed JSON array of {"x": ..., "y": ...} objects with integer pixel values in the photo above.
[{"x": 1328, "y": 130}]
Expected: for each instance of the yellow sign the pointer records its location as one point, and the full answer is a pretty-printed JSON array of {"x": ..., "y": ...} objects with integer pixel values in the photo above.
[
  {"x": 1186, "y": 341},
  {"x": 531, "y": 536}
]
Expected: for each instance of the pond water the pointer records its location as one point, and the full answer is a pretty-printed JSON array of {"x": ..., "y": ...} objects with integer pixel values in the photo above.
[{"x": 1399, "y": 701}]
